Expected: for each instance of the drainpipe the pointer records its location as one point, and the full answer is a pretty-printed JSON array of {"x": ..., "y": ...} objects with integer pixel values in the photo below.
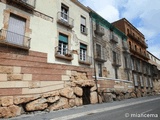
[{"x": 94, "y": 58}]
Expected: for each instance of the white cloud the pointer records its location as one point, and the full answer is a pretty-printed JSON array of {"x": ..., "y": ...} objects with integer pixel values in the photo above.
[{"x": 106, "y": 8}]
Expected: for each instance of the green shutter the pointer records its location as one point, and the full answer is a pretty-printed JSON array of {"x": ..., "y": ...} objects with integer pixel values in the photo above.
[
  {"x": 82, "y": 46},
  {"x": 63, "y": 38}
]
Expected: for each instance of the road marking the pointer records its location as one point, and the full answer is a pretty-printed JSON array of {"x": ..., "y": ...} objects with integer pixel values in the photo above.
[
  {"x": 146, "y": 111},
  {"x": 102, "y": 110}
]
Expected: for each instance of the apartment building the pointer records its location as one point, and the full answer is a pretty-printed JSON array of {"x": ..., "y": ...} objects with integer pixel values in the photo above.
[
  {"x": 58, "y": 30},
  {"x": 155, "y": 71},
  {"x": 110, "y": 49},
  {"x": 45, "y": 54},
  {"x": 141, "y": 73}
]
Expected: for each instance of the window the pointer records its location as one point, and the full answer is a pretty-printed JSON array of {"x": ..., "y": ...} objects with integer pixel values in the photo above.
[
  {"x": 130, "y": 44},
  {"x": 83, "y": 52},
  {"x": 16, "y": 30},
  {"x": 114, "y": 57},
  {"x": 135, "y": 47},
  {"x": 64, "y": 12},
  {"x": 63, "y": 44},
  {"x": 125, "y": 62},
  {"x": 132, "y": 63},
  {"x": 83, "y": 25},
  {"x": 135, "y": 79},
  {"x": 100, "y": 70},
  {"x": 141, "y": 81},
  {"x": 128, "y": 31},
  {"x": 98, "y": 50}
]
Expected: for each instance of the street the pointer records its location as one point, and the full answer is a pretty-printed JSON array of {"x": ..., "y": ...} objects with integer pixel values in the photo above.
[{"x": 145, "y": 108}]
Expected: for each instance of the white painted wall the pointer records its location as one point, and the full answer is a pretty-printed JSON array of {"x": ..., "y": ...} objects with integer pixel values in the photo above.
[{"x": 44, "y": 36}]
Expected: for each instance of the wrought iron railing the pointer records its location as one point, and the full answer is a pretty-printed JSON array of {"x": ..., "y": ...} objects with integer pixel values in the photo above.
[
  {"x": 14, "y": 39},
  {"x": 64, "y": 54},
  {"x": 84, "y": 30},
  {"x": 64, "y": 19},
  {"x": 85, "y": 59},
  {"x": 100, "y": 55}
]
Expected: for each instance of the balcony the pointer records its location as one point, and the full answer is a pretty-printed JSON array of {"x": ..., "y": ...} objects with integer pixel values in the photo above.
[
  {"x": 100, "y": 56},
  {"x": 113, "y": 38},
  {"x": 139, "y": 53},
  {"x": 125, "y": 45},
  {"x": 141, "y": 42},
  {"x": 99, "y": 30},
  {"x": 84, "y": 30},
  {"x": 65, "y": 54},
  {"x": 14, "y": 40},
  {"x": 87, "y": 60},
  {"x": 65, "y": 20},
  {"x": 116, "y": 62},
  {"x": 29, "y": 4}
]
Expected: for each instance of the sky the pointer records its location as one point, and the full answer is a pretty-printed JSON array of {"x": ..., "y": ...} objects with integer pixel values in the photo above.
[{"x": 143, "y": 14}]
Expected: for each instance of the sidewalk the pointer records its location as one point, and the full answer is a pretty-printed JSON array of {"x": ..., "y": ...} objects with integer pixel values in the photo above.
[{"x": 86, "y": 109}]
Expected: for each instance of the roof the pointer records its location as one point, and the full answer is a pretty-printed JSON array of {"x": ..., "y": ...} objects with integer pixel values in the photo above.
[{"x": 124, "y": 19}]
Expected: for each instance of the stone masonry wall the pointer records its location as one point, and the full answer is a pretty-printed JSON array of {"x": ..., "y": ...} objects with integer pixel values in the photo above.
[{"x": 28, "y": 83}]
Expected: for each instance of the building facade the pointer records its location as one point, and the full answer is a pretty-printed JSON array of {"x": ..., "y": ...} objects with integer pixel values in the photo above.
[
  {"x": 141, "y": 73},
  {"x": 155, "y": 71},
  {"x": 45, "y": 56},
  {"x": 111, "y": 52},
  {"x": 52, "y": 57},
  {"x": 58, "y": 31}
]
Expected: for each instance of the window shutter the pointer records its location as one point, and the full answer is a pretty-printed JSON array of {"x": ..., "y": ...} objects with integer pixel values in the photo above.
[
  {"x": 83, "y": 21},
  {"x": 63, "y": 38},
  {"x": 83, "y": 46}
]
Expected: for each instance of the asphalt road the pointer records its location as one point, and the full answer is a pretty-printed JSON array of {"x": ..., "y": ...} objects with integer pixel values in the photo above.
[
  {"x": 145, "y": 108},
  {"x": 144, "y": 111}
]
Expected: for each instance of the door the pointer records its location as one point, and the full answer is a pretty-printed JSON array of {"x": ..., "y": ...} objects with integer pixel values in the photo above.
[{"x": 16, "y": 30}]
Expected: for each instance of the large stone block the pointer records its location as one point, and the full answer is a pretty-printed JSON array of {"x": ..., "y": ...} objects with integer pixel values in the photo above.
[
  {"x": 6, "y": 69},
  {"x": 78, "y": 101},
  {"x": 3, "y": 77},
  {"x": 27, "y": 77},
  {"x": 16, "y": 70},
  {"x": 53, "y": 99},
  {"x": 62, "y": 103},
  {"x": 39, "y": 104},
  {"x": 24, "y": 99},
  {"x": 67, "y": 92},
  {"x": 15, "y": 77},
  {"x": 11, "y": 111},
  {"x": 93, "y": 97},
  {"x": 50, "y": 94},
  {"x": 72, "y": 102},
  {"x": 78, "y": 91},
  {"x": 7, "y": 101}
]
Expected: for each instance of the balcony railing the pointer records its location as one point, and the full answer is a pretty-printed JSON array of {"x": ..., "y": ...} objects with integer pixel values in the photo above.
[
  {"x": 84, "y": 30},
  {"x": 113, "y": 38},
  {"x": 85, "y": 60},
  {"x": 65, "y": 20},
  {"x": 99, "y": 30},
  {"x": 140, "y": 41},
  {"x": 138, "y": 52},
  {"x": 63, "y": 54},
  {"x": 13, "y": 39},
  {"x": 100, "y": 56},
  {"x": 30, "y": 4}
]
